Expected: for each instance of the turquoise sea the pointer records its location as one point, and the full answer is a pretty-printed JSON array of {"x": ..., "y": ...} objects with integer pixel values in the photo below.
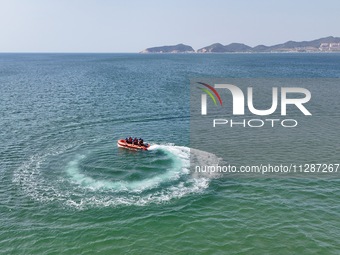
[{"x": 65, "y": 187}]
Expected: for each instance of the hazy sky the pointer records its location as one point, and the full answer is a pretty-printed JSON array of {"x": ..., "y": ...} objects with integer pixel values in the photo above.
[{"x": 131, "y": 25}]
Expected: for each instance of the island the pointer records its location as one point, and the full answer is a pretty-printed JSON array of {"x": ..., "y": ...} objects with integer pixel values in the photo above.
[
  {"x": 326, "y": 44},
  {"x": 179, "y": 48}
]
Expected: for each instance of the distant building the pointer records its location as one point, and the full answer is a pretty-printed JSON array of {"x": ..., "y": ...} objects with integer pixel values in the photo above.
[
  {"x": 329, "y": 47},
  {"x": 334, "y": 46}
]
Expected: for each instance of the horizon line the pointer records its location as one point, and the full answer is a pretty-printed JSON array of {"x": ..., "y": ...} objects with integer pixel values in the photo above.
[{"x": 170, "y": 53}]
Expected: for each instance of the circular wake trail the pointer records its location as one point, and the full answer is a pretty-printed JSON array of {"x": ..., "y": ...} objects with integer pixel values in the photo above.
[{"x": 72, "y": 184}]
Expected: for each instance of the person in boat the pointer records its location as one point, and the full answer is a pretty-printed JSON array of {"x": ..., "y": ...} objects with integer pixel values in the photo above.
[
  {"x": 130, "y": 140},
  {"x": 135, "y": 141},
  {"x": 141, "y": 142}
]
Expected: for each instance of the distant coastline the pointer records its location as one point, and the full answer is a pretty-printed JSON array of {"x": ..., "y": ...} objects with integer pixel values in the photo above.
[{"x": 321, "y": 45}]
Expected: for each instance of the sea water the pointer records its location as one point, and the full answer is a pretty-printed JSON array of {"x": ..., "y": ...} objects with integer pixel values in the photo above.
[{"x": 65, "y": 187}]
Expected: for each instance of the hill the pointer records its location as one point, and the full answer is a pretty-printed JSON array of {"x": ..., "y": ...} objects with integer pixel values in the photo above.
[
  {"x": 326, "y": 44},
  {"x": 179, "y": 48}
]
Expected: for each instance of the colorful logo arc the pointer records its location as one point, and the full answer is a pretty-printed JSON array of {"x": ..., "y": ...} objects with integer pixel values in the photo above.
[{"x": 212, "y": 89}]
